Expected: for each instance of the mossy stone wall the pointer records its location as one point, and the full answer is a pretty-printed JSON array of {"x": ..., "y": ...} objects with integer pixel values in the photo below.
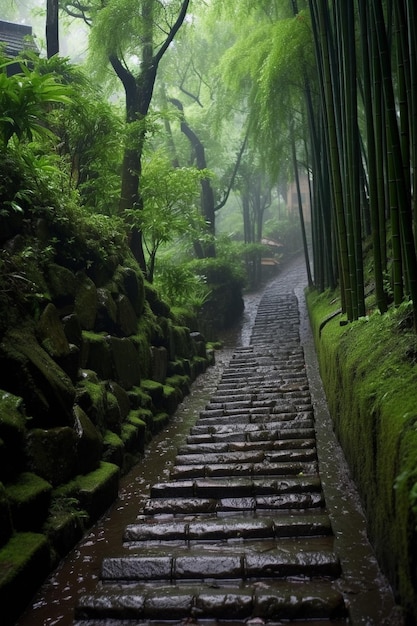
[{"x": 369, "y": 373}]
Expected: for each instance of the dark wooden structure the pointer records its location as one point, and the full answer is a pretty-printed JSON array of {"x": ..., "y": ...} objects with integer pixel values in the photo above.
[{"x": 14, "y": 39}]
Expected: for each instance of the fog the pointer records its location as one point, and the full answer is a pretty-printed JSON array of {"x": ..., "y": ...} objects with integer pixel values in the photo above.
[{"x": 72, "y": 33}]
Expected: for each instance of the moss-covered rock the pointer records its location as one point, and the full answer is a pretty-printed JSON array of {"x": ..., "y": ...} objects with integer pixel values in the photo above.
[
  {"x": 29, "y": 498},
  {"x": 65, "y": 525},
  {"x": 92, "y": 398},
  {"x": 127, "y": 320},
  {"x": 12, "y": 435},
  {"x": 126, "y": 364},
  {"x": 369, "y": 373},
  {"x": 99, "y": 489},
  {"x": 6, "y": 526},
  {"x": 113, "y": 448},
  {"x": 24, "y": 561},
  {"x": 62, "y": 284},
  {"x": 89, "y": 442},
  {"x": 52, "y": 453},
  {"x": 137, "y": 431},
  {"x": 28, "y": 371},
  {"x": 159, "y": 363},
  {"x": 96, "y": 355},
  {"x": 132, "y": 284},
  {"x": 86, "y": 301}
]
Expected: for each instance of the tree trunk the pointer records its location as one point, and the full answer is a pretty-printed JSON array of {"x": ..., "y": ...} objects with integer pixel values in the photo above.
[
  {"x": 207, "y": 195},
  {"x": 52, "y": 28}
]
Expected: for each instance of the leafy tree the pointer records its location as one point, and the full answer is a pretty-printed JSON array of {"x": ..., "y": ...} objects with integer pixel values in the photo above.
[
  {"x": 169, "y": 209},
  {"x": 133, "y": 38}
]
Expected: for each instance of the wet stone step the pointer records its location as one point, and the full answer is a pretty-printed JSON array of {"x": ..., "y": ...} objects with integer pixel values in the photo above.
[
  {"x": 268, "y": 413},
  {"x": 236, "y": 487},
  {"x": 199, "y": 506},
  {"x": 258, "y": 602},
  {"x": 205, "y": 566},
  {"x": 244, "y": 528},
  {"x": 275, "y": 427},
  {"x": 244, "y": 469},
  {"x": 253, "y": 435},
  {"x": 247, "y": 456},
  {"x": 277, "y": 444}
]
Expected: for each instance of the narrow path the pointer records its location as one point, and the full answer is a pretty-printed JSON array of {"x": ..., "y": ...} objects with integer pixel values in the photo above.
[{"x": 244, "y": 529}]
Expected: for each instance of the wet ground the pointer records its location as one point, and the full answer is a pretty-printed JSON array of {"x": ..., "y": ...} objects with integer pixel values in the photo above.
[{"x": 366, "y": 590}]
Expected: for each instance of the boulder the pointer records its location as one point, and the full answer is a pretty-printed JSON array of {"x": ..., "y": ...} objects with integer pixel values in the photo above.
[{"x": 31, "y": 373}]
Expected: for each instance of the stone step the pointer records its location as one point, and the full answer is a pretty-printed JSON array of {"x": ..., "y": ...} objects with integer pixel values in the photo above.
[
  {"x": 257, "y": 433},
  {"x": 286, "y": 559},
  {"x": 209, "y": 506},
  {"x": 275, "y": 428},
  {"x": 293, "y": 468},
  {"x": 228, "y": 528},
  {"x": 256, "y": 416},
  {"x": 247, "y": 456},
  {"x": 236, "y": 487},
  {"x": 226, "y": 446},
  {"x": 250, "y": 603}
]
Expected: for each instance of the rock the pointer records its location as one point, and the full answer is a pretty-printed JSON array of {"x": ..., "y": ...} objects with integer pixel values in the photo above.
[
  {"x": 106, "y": 312},
  {"x": 12, "y": 436},
  {"x": 89, "y": 443},
  {"x": 52, "y": 453},
  {"x": 86, "y": 301},
  {"x": 62, "y": 284},
  {"x": 31, "y": 373},
  {"x": 127, "y": 320},
  {"x": 159, "y": 360},
  {"x": 125, "y": 362}
]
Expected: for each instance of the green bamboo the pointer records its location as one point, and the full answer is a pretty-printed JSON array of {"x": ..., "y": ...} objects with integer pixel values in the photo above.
[
  {"x": 319, "y": 9},
  {"x": 371, "y": 160},
  {"x": 403, "y": 193}
]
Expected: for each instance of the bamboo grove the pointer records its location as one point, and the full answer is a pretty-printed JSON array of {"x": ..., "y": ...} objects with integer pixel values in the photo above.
[{"x": 362, "y": 121}]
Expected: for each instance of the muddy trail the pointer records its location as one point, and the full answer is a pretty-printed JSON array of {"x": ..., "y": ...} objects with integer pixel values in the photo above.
[{"x": 243, "y": 510}]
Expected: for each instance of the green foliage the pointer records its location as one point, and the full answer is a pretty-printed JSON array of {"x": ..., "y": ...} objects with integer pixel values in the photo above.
[
  {"x": 180, "y": 286},
  {"x": 169, "y": 211},
  {"x": 25, "y": 99}
]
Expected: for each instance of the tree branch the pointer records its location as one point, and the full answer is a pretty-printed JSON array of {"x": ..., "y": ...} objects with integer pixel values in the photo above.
[
  {"x": 172, "y": 32},
  {"x": 235, "y": 170}
]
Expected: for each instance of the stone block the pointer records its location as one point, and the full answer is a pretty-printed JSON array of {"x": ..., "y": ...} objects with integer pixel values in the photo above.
[
  {"x": 99, "y": 489},
  {"x": 86, "y": 301},
  {"x": 52, "y": 453},
  {"x": 125, "y": 362},
  {"x": 29, "y": 498},
  {"x": 24, "y": 564},
  {"x": 89, "y": 442}
]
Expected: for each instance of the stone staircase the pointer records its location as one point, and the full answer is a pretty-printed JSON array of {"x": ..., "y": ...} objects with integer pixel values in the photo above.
[{"x": 240, "y": 532}]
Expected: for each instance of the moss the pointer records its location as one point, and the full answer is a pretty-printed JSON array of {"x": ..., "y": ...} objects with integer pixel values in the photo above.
[
  {"x": 160, "y": 421},
  {"x": 29, "y": 497},
  {"x": 24, "y": 562},
  {"x": 185, "y": 317},
  {"x": 369, "y": 371},
  {"x": 180, "y": 382},
  {"x": 139, "y": 398},
  {"x": 12, "y": 434},
  {"x": 113, "y": 448},
  {"x": 154, "y": 389},
  {"x": 99, "y": 489}
]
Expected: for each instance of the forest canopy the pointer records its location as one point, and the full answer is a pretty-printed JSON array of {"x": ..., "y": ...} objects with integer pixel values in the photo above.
[{"x": 188, "y": 121}]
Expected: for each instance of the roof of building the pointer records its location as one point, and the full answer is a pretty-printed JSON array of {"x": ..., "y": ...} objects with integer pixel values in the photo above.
[{"x": 16, "y": 38}]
